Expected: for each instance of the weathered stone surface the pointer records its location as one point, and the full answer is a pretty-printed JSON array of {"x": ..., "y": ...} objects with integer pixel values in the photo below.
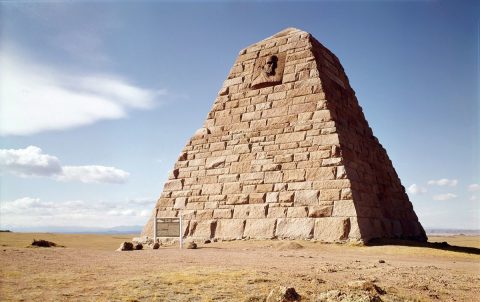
[
  {"x": 344, "y": 208},
  {"x": 222, "y": 213},
  {"x": 306, "y": 197},
  {"x": 320, "y": 211},
  {"x": 180, "y": 203},
  {"x": 283, "y": 294},
  {"x": 286, "y": 139},
  {"x": 260, "y": 228},
  {"x": 230, "y": 229},
  {"x": 211, "y": 189},
  {"x": 293, "y": 228},
  {"x": 203, "y": 229},
  {"x": 331, "y": 229}
]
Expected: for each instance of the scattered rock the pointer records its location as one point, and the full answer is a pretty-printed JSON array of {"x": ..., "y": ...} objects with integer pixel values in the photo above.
[
  {"x": 367, "y": 286},
  {"x": 283, "y": 294},
  {"x": 43, "y": 243},
  {"x": 191, "y": 245},
  {"x": 289, "y": 246},
  {"x": 381, "y": 261},
  {"x": 207, "y": 242},
  {"x": 126, "y": 246},
  {"x": 339, "y": 296},
  {"x": 156, "y": 245},
  {"x": 139, "y": 246}
]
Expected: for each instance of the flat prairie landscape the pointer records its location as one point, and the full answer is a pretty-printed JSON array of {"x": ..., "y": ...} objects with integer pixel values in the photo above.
[{"x": 89, "y": 269}]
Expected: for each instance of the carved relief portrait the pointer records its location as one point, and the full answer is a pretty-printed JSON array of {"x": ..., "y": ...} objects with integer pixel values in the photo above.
[{"x": 268, "y": 71}]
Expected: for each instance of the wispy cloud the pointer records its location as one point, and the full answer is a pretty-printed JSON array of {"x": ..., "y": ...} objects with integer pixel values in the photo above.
[
  {"x": 37, "y": 98},
  {"x": 474, "y": 187},
  {"x": 443, "y": 182},
  {"x": 31, "y": 162},
  {"x": 415, "y": 189},
  {"x": 29, "y": 211},
  {"x": 442, "y": 197}
]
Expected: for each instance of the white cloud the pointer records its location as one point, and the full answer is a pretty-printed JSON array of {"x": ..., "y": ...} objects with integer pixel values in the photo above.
[
  {"x": 32, "y": 162},
  {"x": 442, "y": 197},
  {"x": 29, "y": 162},
  {"x": 414, "y": 189},
  {"x": 443, "y": 182},
  {"x": 474, "y": 187},
  {"x": 473, "y": 198},
  {"x": 93, "y": 174},
  {"x": 37, "y": 98},
  {"x": 28, "y": 211}
]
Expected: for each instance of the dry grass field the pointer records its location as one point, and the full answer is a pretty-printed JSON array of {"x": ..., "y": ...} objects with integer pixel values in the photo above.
[{"x": 89, "y": 269}]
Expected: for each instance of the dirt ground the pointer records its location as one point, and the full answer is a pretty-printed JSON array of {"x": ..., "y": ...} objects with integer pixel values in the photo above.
[{"x": 89, "y": 269}]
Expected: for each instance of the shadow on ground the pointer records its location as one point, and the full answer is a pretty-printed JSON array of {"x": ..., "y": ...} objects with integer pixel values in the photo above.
[{"x": 433, "y": 245}]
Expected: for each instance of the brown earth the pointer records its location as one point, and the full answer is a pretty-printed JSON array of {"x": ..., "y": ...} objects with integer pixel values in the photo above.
[{"x": 89, "y": 269}]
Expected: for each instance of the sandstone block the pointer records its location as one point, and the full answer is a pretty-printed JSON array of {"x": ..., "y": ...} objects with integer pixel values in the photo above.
[
  {"x": 290, "y": 137},
  {"x": 180, "y": 203},
  {"x": 286, "y": 196},
  {"x": 320, "y": 173},
  {"x": 256, "y": 198},
  {"x": 333, "y": 161},
  {"x": 346, "y": 194},
  {"x": 222, "y": 213},
  {"x": 203, "y": 229},
  {"x": 273, "y": 177},
  {"x": 211, "y": 189},
  {"x": 320, "y": 211},
  {"x": 204, "y": 214},
  {"x": 228, "y": 178},
  {"x": 215, "y": 162},
  {"x": 277, "y": 212},
  {"x": 296, "y": 186},
  {"x": 322, "y": 116},
  {"x": 325, "y": 140},
  {"x": 195, "y": 205},
  {"x": 230, "y": 229},
  {"x": 331, "y": 194},
  {"x": 242, "y": 148},
  {"x": 260, "y": 228},
  {"x": 196, "y": 162},
  {"x": 217, "y": 146},
  {"x": 271, "y": 167},
  {"x": 331, "y": 229},
  {"x": 250, "y": 211},
  {"x": 319, "y": 155},
  {"x": 344, "y": 208},
  {"x": 232, "y": 188},
  {"x": 297, "y": 212},
  {"x": 264, "y": 188},
  {"x": 212, "y": 204},
  {"x": 294, "y": 228},
  {"x": 341, "y": 172},
  {"x": 299, "y": 108},
  {"x": 237, "y": 199},
  {"x": 272, "y": 197},
  {"x": 294, "y": 175},
  {"x": 306, "y": 197},
  {"x": 173, "y": 185},
  {"x": 283, "y": 158}
]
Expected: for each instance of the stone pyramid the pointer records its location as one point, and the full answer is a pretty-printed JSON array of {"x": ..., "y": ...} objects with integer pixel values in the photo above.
[{"x": 286, "y": 152}]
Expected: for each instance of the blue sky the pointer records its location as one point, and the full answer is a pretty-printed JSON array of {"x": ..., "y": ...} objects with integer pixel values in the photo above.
[{"x": 107, "y": 94}]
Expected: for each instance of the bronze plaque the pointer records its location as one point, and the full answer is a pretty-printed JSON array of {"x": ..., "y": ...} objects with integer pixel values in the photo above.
[
  {"x": 168, "y": 227},
  {"x": 268, "y": 70}
]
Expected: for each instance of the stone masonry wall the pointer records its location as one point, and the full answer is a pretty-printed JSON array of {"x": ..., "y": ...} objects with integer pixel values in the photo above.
[{"x": 280, "y": 161}]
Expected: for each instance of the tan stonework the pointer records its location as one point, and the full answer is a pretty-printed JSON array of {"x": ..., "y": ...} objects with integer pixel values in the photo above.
[{"x": 286, "y": 152}]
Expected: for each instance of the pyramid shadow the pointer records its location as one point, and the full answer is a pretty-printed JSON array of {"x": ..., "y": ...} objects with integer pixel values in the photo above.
[{"x": 444, "y": 246}]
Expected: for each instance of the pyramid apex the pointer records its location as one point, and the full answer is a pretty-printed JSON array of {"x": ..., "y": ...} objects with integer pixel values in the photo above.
[{"x": 289, "y": 31}]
